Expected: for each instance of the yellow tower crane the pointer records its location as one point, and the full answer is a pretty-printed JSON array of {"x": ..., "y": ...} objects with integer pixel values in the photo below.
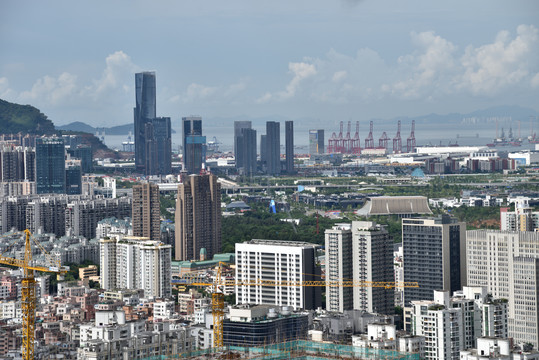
[
  {"x": 28, "y": 290},
  {"x": 218, "y": 303}
]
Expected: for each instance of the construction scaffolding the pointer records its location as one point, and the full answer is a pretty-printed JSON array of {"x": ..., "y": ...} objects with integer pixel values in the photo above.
[{"x": 296, "y": 349}]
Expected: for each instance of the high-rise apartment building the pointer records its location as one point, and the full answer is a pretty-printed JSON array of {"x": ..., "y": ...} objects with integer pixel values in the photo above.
[
  {"x": 194, "y": 144},
  {"x": 522, "y": 219},
  {"x": 153, "y": 146},
  {"x": 289, "y": 146},
  {"x": 198, "y": 217},
  {"x": 276, "y": 260},
  {"x": 434, "y": 256},
  {"x": 136, "y": 263},
  {"x": 50, "y": 166},
  {"x": 316, "y": 142},
  {"x": 507, "y": 263},
  {"x": 362, "y": 251},
  {"x": 372, "y": 260},
  {"x": 146, "y": 212},
  {"x": 338, "y": 245},
  {"x": 17, "y": 163},
  {"x": 263, "y": 149},
  {"x": 273, "y": 148},
  {"x": 144, "y": 111}
]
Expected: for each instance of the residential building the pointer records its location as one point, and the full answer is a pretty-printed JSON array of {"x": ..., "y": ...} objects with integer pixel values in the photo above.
[
  {"x": 198, "y": 217},
  {"x": 245, "y": 143},
  {"x": 384, "y": 336},
  {"x": 17, "y": 164},
  {"x": 146, "y": 212},
  {"x": 434, "y": 256},
  {"x": 316, "y": 142},
  {"x": 50, "y": 166},
  {"x": 194, "y": 144},
  {"x": 158, "y": 146},
  {"x": 273, "y": 148},
  {"x": 289, "y": 146},
  {"x": 136, "y": 263},
  {"x": 441, "y": 325},
  {"x": 338, "y": 245},
  {"x": 276, "y": 260},
  {"x": 522, "y": 219},
  {"x": 372, "y": 261},
  {"x": 507, "y": 263},
  {"x": 238, "y": 153},
  {"x": 496, "y": 348},
  {"x": 263, "y": 150}
]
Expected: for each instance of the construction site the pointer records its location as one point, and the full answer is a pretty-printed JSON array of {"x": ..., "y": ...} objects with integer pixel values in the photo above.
[
  {"x": 344, "y": 143},
  {"x": 297, "y": 349}
]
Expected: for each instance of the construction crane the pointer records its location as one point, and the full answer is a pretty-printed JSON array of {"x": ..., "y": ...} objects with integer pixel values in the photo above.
[
  {"x": 218, "y": 298},
  {"x": 28, "y": 289}
]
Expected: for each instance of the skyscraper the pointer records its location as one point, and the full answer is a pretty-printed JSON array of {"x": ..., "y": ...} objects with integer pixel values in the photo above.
[
  {"x": 273, "y": 148},
  {"x": 50, "y": 166},
  {"x": 246, "y": 155},
  {"x": 194, "y": 144},
  {"x": 146, "y": 212},
  {"x": 316, "y": 142},
  {"x": 238, "y": 126},
  {"x": 152, "y": 134},
  {"x": 144, "y": 111},
  {"x": 263, "y": 149},
  {"x": 434, "y": 256},
  {"x": 198, "y": 217},
  {"x": 339, "y": 267},
  {"x": 289, "y": 144}
]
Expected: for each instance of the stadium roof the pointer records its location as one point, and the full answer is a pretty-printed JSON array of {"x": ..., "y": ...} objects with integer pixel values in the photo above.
[{"x": 395, "y": 205}]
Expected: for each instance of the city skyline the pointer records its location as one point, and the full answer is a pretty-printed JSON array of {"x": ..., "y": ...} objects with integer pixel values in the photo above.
[{"x": 348, "y": 59}]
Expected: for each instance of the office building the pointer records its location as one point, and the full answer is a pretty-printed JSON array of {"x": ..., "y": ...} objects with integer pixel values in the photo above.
[
  {"x": 194, "y": 144},
  {"x": 273, "y": 148},
  {"x": 50, "y": 166},
  {"x": 238, "y": 127},
  {"x": 507, "y": 263},
  {"x": 289, "y": 146},
  {"x": 260, "y": 325},
  {"x": 263, "y": 149},
  {"x": 198, "y": 217},
  {"x": 372, "y": 261},
  {"x": 17, "y": 164},
  {"x": 246, "y": 155},
  {"x": 316, "y": 142},
  {"x": 73, "y": 178},
  {"x": 136, "y": 263},
  {"x": 434, "y": 256},
  {"x": 144, "y": 111},
  {"x": 158, "y": 147},
  {"x": 84, "y": 154},
  {"x": 146, "y": 212},
  {"x": 338, "y": 245},
  {"x": 277, "y": 260}
]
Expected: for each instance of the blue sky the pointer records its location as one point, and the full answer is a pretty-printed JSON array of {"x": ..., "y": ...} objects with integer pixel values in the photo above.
[{"x": 325, "y": 60}]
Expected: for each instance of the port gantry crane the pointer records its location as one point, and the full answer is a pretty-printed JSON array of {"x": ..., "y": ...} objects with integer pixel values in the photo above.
[
  {"x": 218, "y": 298},
  {"x": 28, "y": 288}
]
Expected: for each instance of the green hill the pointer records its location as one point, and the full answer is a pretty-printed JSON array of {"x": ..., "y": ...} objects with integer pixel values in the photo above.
[{"x": 15, "y": 118}]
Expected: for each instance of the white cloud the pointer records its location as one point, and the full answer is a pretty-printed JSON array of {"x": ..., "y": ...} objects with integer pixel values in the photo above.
[
  {"x": 119, "y": 68},
  {"x": 5, "y": 91},
  {"x": 196, "y": 92},
  {"x": 506, "y": 62},
  {"x": 339, "y": 75},
  {"x": 55, "y": 91},
  {"x": 301, "y": 71},
  {"x": 535, "y": 81}
]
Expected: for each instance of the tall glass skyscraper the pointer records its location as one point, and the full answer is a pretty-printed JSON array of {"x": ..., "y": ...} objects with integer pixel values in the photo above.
[
  {"x": 50, "y": 166},
  {"x": 289, "y": 146},
  {"x": 153, "y": 145},
  {"x": 194, "y": 144},
  {"x": 273, "y": 148}
]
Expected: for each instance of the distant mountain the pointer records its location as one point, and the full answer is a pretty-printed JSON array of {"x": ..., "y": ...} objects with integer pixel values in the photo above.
[
  {"x": 114, "y": 130},
  {"x": 15, "y": 118}
]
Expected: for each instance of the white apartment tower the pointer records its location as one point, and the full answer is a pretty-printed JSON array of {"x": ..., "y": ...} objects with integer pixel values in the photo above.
[
  {"x": 276, "y": 260},
  {"x": 441, "y": 326},
  {"x": 136, "y": 263},
  {"x": 338, "y": 267},
  {"x": 507, "y": 263},
  {"x": 522, "y": 219}
]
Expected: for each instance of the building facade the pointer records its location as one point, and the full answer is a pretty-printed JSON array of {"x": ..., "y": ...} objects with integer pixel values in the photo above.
[
  {"x": 507, "y": 263},
  {"x": 338, "y": 245},
  {"x": 245, "y": 145},
  {"x": 146, "y": 212},
  {"x": 144, "y": 111},
  {"x": 198, "y": 217},
  {"x": 316, "y": 142},
  {"x": 273, "y": 148},
  {"x": 194, "y": 144},
  {"x": 276, "y": 260},
  {"x": 50, "y": 166},
  {"x": 289, "y": 146}
]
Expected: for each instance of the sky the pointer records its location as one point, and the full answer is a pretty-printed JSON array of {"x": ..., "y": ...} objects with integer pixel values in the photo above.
[{"x": 318, "y": 59}]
